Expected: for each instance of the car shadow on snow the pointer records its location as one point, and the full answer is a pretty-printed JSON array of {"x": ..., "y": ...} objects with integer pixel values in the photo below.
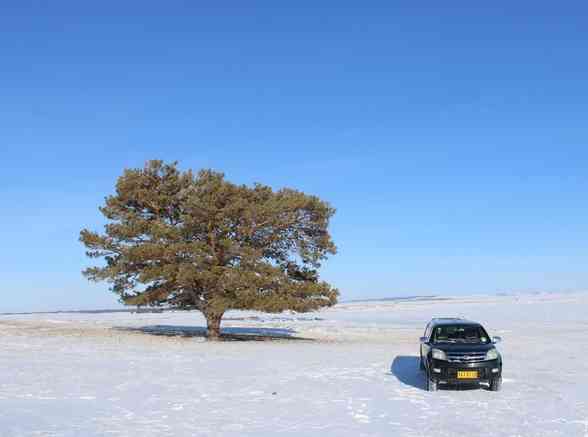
[
  {"x": 227, "y": 334},
  {"x": 407, "y": 371}
]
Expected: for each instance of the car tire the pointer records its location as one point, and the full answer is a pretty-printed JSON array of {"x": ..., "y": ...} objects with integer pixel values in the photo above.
[
  {"x": 496, "y": 384},
  {"x": 431, "y": 384}
]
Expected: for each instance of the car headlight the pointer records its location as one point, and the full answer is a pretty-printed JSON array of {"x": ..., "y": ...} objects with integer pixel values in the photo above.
[
  {"x": 438, "y": 354},
  {"x": 492, "y": 354}
]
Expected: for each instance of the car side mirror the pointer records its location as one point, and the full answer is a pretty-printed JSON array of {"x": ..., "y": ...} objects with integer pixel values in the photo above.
[
  {"x": 496, "y": 340},
  {"x": 423, "y": 339}
]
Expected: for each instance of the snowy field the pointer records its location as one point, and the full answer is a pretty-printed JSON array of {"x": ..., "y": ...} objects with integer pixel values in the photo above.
[{"x": 353, "y": 373}]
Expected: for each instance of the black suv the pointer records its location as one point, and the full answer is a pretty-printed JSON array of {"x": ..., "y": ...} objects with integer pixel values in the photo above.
[{"x": 459, "y": 351}]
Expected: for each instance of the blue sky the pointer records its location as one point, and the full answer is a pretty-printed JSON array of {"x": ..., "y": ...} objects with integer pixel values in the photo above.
[{"x": 451, "y": 138}]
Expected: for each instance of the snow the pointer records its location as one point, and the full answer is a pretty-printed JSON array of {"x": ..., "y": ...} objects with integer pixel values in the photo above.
[{"x": 354, "y": 372}]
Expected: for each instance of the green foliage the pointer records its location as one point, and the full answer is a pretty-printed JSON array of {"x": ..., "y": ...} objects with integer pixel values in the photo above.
[{"x": 201, "y": 242}]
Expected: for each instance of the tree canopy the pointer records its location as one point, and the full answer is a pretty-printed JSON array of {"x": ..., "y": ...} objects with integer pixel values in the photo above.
[{"x": 198, "y": 241}]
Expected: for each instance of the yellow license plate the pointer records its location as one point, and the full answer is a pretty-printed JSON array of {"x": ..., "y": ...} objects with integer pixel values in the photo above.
[{"x": 467, "y": 374}]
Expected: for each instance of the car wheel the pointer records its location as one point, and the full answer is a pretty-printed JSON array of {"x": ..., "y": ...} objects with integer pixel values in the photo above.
[
  {"x": 496, "y": 384},
  {"x": 431, "y": 384}
]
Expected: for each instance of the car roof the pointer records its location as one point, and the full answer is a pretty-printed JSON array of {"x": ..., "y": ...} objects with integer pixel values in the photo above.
[{"x": 452, "y": 321}]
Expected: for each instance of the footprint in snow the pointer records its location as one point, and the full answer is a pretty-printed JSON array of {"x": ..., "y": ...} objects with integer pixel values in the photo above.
[{"x": 361, "y": 418}]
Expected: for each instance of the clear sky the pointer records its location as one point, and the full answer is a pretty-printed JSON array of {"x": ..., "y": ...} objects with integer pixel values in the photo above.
[{"x": 452, "y": 137}]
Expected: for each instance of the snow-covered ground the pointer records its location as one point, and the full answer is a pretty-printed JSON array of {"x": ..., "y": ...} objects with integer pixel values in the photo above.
[{"x": 114, "y": 374}]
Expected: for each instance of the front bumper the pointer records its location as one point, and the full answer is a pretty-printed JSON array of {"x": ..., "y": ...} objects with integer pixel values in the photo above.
[{"x": 447, "y": 371}]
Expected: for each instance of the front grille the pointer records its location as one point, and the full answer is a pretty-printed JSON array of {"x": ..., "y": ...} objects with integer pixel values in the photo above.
[{"x": 466, "y": 357}]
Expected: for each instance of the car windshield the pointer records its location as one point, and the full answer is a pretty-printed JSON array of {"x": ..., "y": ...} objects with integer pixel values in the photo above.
[{"x": 460, "y": 334}]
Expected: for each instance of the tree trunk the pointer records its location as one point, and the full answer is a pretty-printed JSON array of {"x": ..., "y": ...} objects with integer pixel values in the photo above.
[{"x": 213, "y": 322}]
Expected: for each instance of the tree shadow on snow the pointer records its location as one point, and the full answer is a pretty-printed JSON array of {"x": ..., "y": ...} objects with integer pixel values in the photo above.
[
  {"x": 407, "y": 370},
  {"x": 227, "y": 334}
]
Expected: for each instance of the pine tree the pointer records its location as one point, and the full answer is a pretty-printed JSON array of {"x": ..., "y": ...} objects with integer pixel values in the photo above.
[{"x": 200, "y": 242}]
